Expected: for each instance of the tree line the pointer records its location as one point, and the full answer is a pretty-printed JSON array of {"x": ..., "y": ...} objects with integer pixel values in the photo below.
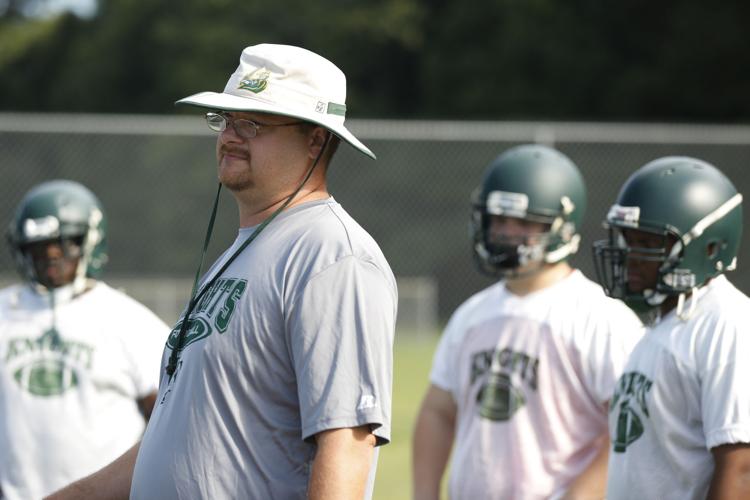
[{"x": 495, "y": 59}]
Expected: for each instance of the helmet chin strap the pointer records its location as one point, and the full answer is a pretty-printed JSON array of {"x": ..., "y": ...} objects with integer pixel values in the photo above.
[
  {"x": 80, "y": 282},
  {"x": 653, "y": 298},
  {"x": 565, "y": 250},
  {"x": 530, "y": 254},
  {"x": 656, "y": 299}
]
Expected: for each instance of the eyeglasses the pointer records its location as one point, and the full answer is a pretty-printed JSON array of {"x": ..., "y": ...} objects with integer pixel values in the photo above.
[{"x": 244, "y": 128}]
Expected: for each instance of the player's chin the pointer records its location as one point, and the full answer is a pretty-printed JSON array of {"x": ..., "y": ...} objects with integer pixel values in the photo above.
[
  {"x": 234, "y": 182},
  {"x": 636, "y": 286},
  {"x": 229, "y": 169}
]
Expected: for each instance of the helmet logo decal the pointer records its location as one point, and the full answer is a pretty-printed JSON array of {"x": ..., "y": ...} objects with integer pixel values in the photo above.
[
  {"x": 506, "y": 203},
  {"x": 42, "y": 228},
  {"x": 256, "y": 82},
  {"x": 626, "y": 216},
  {"x": 714, "y": 216}
]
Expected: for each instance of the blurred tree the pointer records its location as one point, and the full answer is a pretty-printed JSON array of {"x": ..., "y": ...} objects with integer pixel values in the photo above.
[{"x": 578, "y": 59}]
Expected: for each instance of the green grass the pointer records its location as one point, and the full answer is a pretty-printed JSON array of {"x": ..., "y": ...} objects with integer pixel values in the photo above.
[{"x": 411, "y": 368}]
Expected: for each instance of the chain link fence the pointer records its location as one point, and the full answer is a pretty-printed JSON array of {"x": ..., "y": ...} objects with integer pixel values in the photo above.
[{"x": 155, "y": 176}]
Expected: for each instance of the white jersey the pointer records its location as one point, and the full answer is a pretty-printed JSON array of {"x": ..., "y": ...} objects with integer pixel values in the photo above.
[
  {"x": 685, "y": 390},
  {"x": 69, "y": 385},
  {"x": 293, "y": 339},
  {"x": 531, "y": 377}
]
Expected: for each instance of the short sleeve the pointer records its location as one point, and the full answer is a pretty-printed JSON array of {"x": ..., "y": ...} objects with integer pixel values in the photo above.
[
  {"x": 444, "y": 363},
  {"x": 613, "y": 332},
  {"x": 724, "y": 376},
  {"x": 341, "y": 337}
]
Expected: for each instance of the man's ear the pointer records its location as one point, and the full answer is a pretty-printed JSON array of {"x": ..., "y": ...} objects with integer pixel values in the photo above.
[{"x": 317, "y": 141}]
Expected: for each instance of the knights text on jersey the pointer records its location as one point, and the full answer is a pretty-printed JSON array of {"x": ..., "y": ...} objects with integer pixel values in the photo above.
[
  {"x": 531, "y": 377},
  {"x": 294, "y": 338},
  {"x": 69, "y": 382},
  {"x": 684, "y": 391}
]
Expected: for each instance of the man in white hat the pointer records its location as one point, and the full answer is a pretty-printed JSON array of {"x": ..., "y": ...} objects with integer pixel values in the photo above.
[{"x": 278, "y": 385}]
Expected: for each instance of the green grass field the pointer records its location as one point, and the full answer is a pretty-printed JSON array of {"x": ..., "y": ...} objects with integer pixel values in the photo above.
[{"x": 411, "y": 367}]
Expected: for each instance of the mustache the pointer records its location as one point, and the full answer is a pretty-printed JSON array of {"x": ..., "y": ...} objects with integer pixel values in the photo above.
[{"x": 234, "y": 151}]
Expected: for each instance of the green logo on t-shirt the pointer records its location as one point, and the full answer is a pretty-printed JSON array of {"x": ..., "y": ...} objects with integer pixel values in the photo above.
[
  {"x": 47, "y": 366},
  {"x": 213, "y": 312},
  {"x": 499, "y": 399},
  {"x": 632, "y": 406},
  {"x": 504, "y": 372},
  {"x": 197, "y": 328}
]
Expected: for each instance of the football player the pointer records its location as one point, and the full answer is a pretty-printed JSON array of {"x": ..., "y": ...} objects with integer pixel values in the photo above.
[
  {"x": 680, "y": 414},
  {"x": 524, "y": 369},
  {"x": 78, "y": 359}
]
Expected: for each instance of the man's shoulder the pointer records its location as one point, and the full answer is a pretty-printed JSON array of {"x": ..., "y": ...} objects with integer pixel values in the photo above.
[
  {"x": 331, "y": 221},
  {"x": 11, "y": 289},
  {"x": 583, "y": 301},
  {"x": 581, "y": 283},
  {"x": 722, "y": 307},
  {"x": 722, "y": 295},
  {"x": 326, "y": 230},
  {"x": 587, "y": 291},
  {"x": 486, "y": 302},
  {"x": 106, "y": 296},
  {"x": 12, "y": 296}
]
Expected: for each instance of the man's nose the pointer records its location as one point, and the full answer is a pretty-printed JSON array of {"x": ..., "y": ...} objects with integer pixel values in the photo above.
[
  {"x": 51, "y": 251},
  {"x": 229, "y": 134},
  {"x": 507, "y": 228}
]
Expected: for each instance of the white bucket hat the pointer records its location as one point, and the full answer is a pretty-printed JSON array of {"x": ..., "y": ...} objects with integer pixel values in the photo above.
[{"x": 289, "y": 81}]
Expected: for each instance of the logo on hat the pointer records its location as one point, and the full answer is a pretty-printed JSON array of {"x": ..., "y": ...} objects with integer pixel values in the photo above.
[{"x": 255, "y": 82}]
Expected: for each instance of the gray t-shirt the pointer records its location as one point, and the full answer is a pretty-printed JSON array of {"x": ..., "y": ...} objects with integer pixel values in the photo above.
[{"x": 294, "y": 338}]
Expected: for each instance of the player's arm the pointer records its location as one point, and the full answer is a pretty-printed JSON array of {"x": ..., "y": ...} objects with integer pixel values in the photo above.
[
  {"x": 146, "y": 404},
  {"x": 591, "y": 484},
  {"x": 731, "y": 477},
  {"x": 342, "y": 464},
  {"x": 110, "y": 483},
  {"x": 433, "y": 440}
]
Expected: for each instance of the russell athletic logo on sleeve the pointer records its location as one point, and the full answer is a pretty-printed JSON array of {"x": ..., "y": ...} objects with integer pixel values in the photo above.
[{"x": 366, "y": 402}]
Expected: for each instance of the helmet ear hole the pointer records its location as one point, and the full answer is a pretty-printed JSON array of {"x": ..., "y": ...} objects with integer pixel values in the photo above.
[{"x": 713, "y": 248}]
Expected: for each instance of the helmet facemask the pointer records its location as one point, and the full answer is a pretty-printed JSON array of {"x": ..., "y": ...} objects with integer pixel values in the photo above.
[
  {"x": 693, "y": 215},
  {"x": 59, "y": 226},
  {"x": 518, "y": 255},
  {"x": 56, "y": 258},
  {"x": 655, "y": 256},
  {"x": 681, "y": 262},
  {"x": 63, "y": 257}
]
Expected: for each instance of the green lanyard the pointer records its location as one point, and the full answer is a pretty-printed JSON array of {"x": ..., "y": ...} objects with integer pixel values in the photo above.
[{"x": 194, "y": 299}]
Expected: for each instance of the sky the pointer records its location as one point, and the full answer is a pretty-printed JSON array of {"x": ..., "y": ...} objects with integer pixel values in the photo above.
[{"x": 82, "y": 8}]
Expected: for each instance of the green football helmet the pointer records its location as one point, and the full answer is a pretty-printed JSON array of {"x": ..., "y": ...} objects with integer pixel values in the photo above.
[
  {"x": 693, "y": 207},
  {"x": 534, "y": 183},
  {"x": 59, "y": 211}
]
